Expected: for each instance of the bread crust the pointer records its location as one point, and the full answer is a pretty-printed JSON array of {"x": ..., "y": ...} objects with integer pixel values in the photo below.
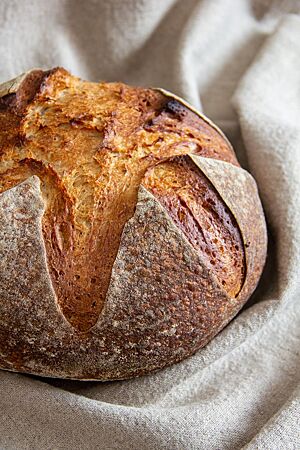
[{"x": 162, "y": 298}]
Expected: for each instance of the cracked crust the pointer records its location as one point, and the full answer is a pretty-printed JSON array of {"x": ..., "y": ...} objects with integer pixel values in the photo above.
[
  {"x": 239, "y": 191},
  {"x": 125, "y": 229}
]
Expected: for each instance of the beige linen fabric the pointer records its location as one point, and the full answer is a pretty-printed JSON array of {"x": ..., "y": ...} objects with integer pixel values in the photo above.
[{"x": 239, "y": 61}]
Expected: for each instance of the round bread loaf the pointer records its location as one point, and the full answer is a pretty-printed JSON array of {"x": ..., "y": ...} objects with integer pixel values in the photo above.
[{"x": 129, "y": 234}]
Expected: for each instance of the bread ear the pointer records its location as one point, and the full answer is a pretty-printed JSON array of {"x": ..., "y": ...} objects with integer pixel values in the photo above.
[
  {"x": 194, "y": 110},
  {"x": 11, "y": 86}
]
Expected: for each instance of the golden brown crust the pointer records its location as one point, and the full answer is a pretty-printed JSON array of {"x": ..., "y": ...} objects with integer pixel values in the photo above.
[
  {"x": 93, "y": 143},
  {"x": 93, "y": 146}
]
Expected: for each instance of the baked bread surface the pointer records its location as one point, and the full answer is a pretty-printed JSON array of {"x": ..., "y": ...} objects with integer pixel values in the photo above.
[{"x": 129, "y": 233}]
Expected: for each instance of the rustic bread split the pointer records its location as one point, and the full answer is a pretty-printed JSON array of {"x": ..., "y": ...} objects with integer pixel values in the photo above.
[{"x": 129, "y": 234}]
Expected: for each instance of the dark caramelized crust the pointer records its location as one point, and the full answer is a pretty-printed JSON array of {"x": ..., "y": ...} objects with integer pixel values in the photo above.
[
  {"x": 17, "y": 102},
  {"x": 91, "y": 145}
]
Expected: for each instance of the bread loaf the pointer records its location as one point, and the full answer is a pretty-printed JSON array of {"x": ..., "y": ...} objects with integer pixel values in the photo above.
[{"x": 129, "y": 234}]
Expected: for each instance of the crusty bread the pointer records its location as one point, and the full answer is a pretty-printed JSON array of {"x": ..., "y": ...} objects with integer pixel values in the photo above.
[{"x": 129, "y": 233}]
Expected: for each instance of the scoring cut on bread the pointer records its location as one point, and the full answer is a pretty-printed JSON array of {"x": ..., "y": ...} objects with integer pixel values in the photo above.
[{"x": 105, "y": 155}]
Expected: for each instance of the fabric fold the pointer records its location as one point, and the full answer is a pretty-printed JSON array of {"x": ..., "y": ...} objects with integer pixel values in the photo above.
[{"x": 242, "y": 389}]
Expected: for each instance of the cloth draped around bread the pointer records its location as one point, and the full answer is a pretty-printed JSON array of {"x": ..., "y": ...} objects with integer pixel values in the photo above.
[{"x": 239, "y": 63}]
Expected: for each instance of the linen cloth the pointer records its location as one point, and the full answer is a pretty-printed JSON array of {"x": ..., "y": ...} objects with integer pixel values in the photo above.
[{"x": 238, "y": 61}]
